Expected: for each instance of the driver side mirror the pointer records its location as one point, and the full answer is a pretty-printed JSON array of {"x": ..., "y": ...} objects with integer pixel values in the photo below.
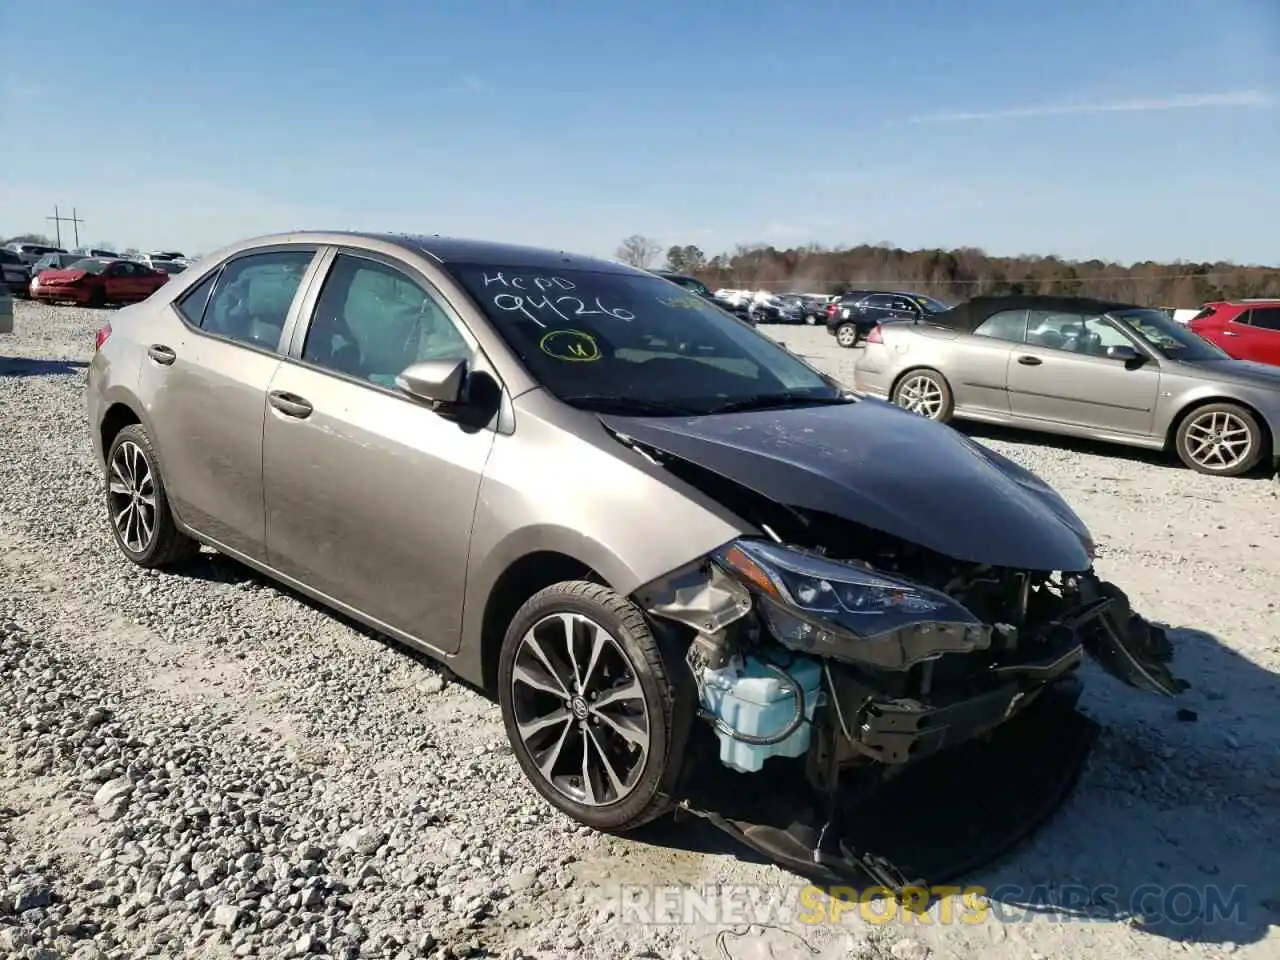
[
  {"x": 1130, "y": 357},
  {"x": 1123, "y": 353},
  {"x": 434, "y": 381}
]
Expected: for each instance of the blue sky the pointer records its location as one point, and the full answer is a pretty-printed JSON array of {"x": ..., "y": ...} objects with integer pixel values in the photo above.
[{"x": 1127, "y": 130}]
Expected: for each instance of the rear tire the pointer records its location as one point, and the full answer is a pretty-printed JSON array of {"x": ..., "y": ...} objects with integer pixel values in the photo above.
[
  {"x": 925, "y": 391},
  {"x": 138, "y": 505},
  {"x": 588, "y": 706},
  {"x": 97, "y": 298},
  {"x": 1221, "y": 440},
  {"x": 847, "y": 335}
]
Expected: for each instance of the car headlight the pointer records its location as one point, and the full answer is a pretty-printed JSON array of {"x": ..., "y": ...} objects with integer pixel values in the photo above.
[{"x": 831, "y": 608}]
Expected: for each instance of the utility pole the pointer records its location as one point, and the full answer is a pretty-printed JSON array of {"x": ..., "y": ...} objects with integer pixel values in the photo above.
[{"x": 59, "y": 220}]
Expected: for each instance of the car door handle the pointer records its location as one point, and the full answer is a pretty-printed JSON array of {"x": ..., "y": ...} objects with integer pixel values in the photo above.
[
  {"x": 161, "y": 354},
  {"x": 1030, "y": 361},
  {"x": 290, "y": 404},
  {"x": 1228, "y": 333}
]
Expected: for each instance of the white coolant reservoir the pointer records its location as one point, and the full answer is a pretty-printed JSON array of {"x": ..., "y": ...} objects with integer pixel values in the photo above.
[{"x": 751, "y": 699}]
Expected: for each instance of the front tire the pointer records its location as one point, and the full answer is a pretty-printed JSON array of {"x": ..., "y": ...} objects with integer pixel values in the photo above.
[
  {"x": 1220, "y": 439},
  {"x": 138, "y": 506},
  {"x": 925, "y": 392},
  {"x": 588, "y": 706}
]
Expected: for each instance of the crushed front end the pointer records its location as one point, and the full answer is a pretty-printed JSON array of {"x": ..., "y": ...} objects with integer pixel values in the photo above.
[{"x": 862, "y": 656}]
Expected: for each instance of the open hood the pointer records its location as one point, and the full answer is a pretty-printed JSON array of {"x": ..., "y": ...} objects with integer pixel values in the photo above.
[{"x": 875, "y": 464}]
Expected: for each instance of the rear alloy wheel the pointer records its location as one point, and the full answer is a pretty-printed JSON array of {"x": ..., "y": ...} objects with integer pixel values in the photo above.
[
  {"x": 847, "y": 335},
  {"x": 138, "y": 506},
  {"x": 587, "y": 705},
  {"x": 1221, "y": 439},
  {"x": 925, "y": 392}
]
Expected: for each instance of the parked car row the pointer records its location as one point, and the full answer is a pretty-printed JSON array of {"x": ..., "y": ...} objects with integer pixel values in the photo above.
[{"x": 24, "y": 263}]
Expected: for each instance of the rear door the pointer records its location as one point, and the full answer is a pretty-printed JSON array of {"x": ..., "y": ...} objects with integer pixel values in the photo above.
[
  {"x": 1063, "y": 375},
  {"x": 978, "y": 365},
  {"x": 208, "y": 371}
]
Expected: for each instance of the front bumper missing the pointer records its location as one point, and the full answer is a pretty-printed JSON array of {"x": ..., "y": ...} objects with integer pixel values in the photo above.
[{"x": 935, "y": 822}]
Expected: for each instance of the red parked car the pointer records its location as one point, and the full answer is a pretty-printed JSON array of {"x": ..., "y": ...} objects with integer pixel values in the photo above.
[
  {"x": 97, "y": 281},
  {"x": 1245, "y": 329}
]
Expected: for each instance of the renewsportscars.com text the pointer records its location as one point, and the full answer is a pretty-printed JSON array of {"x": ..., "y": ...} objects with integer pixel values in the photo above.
[{"x": 944, "y": 905}]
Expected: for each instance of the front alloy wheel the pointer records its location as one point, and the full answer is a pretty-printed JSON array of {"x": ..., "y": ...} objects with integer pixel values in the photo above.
[
  {"x": 1221, "y": 439},
  {"x": 587, "y": 705}
]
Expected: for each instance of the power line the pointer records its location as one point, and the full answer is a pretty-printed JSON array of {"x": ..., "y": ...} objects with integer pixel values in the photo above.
[{"x": 59, "y": 220}]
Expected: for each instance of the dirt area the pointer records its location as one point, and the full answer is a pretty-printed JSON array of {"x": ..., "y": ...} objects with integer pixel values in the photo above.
[{"x": 207, "y": 765}]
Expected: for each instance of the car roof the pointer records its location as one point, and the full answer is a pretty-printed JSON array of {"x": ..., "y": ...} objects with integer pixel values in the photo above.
[
  {"x": 450, "y": 250},
  {"x": 973, "y": 312}
]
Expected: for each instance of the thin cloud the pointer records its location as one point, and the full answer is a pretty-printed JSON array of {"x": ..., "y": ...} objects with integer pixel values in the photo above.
[
  {"x": 1199, "y": 101},
  {"x": 470, "y": 84}
]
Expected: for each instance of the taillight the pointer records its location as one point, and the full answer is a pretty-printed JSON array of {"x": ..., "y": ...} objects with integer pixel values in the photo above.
[
  {"x": 101, "y": 337},
  {"x": 874, "y": 335},
  {"x": 831, "y": 310}
]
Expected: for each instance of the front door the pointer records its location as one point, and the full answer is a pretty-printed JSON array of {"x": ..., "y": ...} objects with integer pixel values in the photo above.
[
  {"x": 370, "y": 494},
  {"x": 1063, "y": 374},
  {"x": 208, "y": 369}
]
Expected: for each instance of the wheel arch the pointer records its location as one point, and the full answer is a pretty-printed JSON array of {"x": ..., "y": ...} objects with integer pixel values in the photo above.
[
  {"x": 916, "y": 368},
  {"x": 1177, "y": 420},
  {"x": 118, "y": 415}
]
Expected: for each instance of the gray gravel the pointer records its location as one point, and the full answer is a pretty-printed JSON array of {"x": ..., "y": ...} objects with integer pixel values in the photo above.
[{"x": 206, "y": 765}]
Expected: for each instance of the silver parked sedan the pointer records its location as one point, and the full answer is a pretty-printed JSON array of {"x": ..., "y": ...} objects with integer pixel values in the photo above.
[{"x": 1086, "y": 368}]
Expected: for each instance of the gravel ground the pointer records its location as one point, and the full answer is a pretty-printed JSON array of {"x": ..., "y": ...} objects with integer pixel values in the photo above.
[{"x": 206, "y": 765}]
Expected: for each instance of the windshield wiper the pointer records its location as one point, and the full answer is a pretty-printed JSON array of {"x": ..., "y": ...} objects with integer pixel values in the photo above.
[
  {"x": 772, "y": 401},
  {"x": 602, "y": 403}
]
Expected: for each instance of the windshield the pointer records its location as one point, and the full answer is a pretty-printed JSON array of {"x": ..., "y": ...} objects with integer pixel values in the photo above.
[
  {"x": 1168, "y": 338},
  {"x": 89, "y": 266},
  {"x": 167, "y": 266},
  {"x": 601, "y": 340}
]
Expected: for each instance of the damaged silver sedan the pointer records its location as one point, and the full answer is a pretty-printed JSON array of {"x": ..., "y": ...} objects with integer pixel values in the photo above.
[{"x": 673, "y": 550}]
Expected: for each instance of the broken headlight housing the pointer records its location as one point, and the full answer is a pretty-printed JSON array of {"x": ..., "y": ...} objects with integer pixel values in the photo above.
[{"x": 812, "y": 604}]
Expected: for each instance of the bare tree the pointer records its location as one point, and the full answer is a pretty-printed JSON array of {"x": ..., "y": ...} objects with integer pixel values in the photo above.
[{"x": 639, "y": 251}]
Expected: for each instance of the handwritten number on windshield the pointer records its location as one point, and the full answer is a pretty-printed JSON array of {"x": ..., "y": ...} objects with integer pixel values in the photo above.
[{"x": 537, "y": 299}]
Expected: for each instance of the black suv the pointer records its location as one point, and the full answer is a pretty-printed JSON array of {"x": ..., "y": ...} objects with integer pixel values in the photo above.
[{"x": 855, "y": 314}]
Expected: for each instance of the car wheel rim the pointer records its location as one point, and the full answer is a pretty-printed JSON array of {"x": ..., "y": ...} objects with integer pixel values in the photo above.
[
  {"x": 921, "y": 395},
  {"x": 132, "y": 494},
  {"x": 1219, "y": 440},
  {"x": 579, "y": 709},
  {"x": 846, "y": 336}
]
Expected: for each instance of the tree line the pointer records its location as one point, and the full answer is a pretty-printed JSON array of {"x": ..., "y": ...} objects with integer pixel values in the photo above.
[{"x": 954, "y": 275}]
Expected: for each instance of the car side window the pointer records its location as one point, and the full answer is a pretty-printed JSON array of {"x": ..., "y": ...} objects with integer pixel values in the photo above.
[
  {"x": 192, "y": 303},
  {"x": 252, "y": 296},
  {"x": 878, "y": 301},
  {"x": 372, "y": 321},
  {"x": 1266, "y": 318},
  {"x": 902, "y": 303},
  {"x": 1008, "y": 325},
  {"x": 1082, "y": 334}
]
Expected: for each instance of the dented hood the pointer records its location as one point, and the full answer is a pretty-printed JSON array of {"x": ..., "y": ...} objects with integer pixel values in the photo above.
[{"x": 875, "y": 464}]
